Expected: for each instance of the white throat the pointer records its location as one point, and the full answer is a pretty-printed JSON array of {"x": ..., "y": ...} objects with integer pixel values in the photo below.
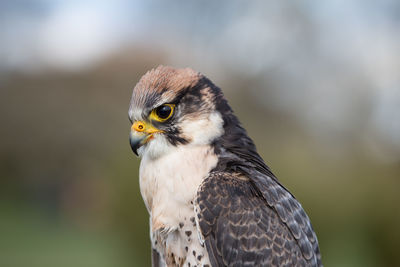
[{"x": 169, "y": 183}]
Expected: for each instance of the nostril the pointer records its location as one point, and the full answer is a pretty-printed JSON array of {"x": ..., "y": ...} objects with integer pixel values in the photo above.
[{"x": 138, "y": 126}]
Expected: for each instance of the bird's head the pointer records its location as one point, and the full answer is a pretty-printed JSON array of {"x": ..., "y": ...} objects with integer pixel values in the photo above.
[{"x": 172, "y": 108}]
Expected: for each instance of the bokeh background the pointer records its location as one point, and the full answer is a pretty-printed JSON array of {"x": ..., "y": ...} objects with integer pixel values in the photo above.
[{"x": 315, "y": 83}]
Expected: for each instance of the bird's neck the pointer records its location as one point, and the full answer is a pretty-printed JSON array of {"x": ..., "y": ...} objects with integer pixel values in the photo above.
[
  {"x": 169, "y": 183},
  {"x": 235, "y": 149}
]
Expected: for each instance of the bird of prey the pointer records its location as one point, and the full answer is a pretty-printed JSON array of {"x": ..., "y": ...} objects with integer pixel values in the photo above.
[{"x": 211, "y": 198}]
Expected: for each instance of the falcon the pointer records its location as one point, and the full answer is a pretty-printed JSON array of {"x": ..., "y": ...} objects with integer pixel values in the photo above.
[{"x": 211, "y": 198}]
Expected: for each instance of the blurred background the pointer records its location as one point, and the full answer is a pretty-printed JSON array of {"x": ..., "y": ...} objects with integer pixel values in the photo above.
[{"x": 315, "y": 83}]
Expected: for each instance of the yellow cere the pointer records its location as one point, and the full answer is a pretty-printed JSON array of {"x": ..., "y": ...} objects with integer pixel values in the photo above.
[
  {"x": 147, "y": 128},
  {"x": 139, "y": 126}
]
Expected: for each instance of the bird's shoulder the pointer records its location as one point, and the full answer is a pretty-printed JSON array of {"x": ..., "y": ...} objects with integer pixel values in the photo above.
[{"x": 253, "y": 221}]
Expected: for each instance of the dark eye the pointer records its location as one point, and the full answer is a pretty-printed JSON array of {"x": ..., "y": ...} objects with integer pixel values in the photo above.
[{"x": 163, "y": 112}]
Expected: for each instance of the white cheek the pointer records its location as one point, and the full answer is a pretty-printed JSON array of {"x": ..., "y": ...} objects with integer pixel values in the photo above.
[{"x": 203, "y": 130}]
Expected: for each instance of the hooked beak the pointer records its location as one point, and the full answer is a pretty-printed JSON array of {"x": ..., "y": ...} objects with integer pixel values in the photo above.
[
  {"x": 136, "y": 142},
  {"x": 140, "y": 134}
]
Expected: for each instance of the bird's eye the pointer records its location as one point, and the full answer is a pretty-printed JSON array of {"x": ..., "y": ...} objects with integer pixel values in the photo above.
[{"x": 163, "y": 112}]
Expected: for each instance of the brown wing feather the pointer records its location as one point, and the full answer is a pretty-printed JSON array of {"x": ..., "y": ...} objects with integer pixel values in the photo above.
[{"x": 241, "y": 228}]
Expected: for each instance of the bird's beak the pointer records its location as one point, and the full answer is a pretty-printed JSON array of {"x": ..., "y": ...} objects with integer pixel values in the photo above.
[{"x": 141, "y": 133}]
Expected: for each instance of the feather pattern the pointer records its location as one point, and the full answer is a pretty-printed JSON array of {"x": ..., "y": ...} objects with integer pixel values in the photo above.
[{"x": 240, "y": 228}]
